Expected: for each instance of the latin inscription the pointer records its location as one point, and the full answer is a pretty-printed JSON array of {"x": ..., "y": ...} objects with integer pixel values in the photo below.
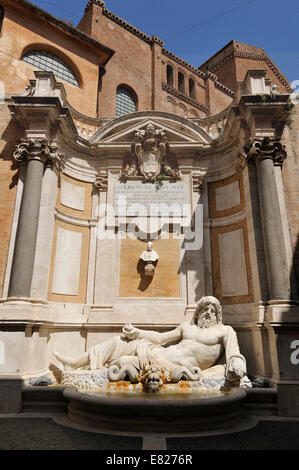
[{"x": 147, "y": 199}]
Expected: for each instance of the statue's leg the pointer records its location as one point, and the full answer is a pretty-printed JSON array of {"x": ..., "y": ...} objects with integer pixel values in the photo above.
[
  {"x": 73, "y": 362},
  {"x": 104, "y": 354},
  {"x": 99, "y": 356}
]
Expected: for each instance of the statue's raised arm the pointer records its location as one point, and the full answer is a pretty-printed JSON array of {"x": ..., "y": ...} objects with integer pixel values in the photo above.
[{"x": 132, "y": 333}]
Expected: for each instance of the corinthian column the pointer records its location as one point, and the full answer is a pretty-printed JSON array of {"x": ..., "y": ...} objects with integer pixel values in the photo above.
[
  {"x": 35, "y": 153},
  {"x": 266, "y": 154}
]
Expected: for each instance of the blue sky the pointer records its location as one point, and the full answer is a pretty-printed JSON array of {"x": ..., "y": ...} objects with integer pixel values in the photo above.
[{"x": 196, "y": 29}]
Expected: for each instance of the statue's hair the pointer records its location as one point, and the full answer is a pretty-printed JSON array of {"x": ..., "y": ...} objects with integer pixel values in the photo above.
[{"x": 202, "y": 303}]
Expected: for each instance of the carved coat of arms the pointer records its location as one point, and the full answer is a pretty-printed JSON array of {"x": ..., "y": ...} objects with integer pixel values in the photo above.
[
  {"x": 150, "y": 148},
  {"x": 149, "y": 155}
]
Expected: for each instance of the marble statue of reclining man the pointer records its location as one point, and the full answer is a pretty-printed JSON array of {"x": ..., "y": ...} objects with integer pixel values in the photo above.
[{"x": 204, "y": 347}]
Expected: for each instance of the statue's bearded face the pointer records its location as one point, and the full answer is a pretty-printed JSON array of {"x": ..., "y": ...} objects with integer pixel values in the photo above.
[{"x": 207, "y": 316}]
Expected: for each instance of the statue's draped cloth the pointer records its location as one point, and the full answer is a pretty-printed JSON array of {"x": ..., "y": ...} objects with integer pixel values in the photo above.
[{"x": 110, "y": 352}]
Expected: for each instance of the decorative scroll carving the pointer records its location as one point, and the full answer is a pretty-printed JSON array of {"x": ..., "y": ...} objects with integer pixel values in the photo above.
[
  {"x": 150, "y": 156},
  {"x": 171, "y": 167},
  {"x": 101, "y": 181},
  {"x": 198, "y": 181},
  {"x": 267, "y": 148},
  {"x": 241, "y": 162},
  {"x": 130, "y": 165},
  {"x": 56, "y": 157},
  {"x": 32, "y": 148},
  {"x": 41, "y": 149}
]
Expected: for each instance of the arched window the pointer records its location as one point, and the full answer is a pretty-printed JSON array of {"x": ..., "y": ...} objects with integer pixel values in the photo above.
[
  {"x": 169, "y": 72},
  {"x": 48, "y": 62},
  {"x": 1, "y": 17},
  {"x": 181, "y": 82},
  {"x": 191, "y": 88},
  {"x": 126, "y": 100}
]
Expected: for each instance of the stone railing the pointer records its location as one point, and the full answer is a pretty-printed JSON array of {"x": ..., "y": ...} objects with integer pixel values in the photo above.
[
  {"x": 214, "y": 125},
  {"x": 86, "y": 126}
]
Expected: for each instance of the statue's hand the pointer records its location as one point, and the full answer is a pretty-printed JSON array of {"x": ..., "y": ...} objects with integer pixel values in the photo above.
[
  {"x": 236, "y": 369},
  {"x": 130, "y": 332}
]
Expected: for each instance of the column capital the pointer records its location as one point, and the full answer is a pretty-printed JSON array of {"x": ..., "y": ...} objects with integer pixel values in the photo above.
[
  {"x": 39, "y": 149},
  {"x": 267, "y": 148}
]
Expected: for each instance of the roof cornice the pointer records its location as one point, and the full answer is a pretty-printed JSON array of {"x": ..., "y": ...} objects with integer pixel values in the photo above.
[
  {"x": 63, "y": 25},
  {"x": 127, "y": 26},
  {"x": 250, "y": 55}
]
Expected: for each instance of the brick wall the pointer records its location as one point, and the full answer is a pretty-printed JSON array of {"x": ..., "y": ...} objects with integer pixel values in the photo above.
[
  {"x": 23, "y": 31},
  {"x": 9, "y": 133},
  {"x": 291, "y": 184}
]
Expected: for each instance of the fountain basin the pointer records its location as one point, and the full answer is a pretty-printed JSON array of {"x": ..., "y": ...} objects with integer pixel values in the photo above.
[{"x": 152, "y": 413}]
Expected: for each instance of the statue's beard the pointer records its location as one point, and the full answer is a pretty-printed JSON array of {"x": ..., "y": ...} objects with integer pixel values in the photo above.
[{"x": 204, "y": 322}]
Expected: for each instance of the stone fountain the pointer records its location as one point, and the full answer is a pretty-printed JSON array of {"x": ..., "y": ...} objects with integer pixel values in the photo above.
[{"x": 190, "y": 377}]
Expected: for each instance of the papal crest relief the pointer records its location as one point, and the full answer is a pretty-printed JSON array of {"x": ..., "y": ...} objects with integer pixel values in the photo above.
[{"x": 150, "y": 156}]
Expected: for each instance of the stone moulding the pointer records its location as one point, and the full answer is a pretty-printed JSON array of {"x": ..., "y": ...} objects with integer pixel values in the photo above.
[{"x": 224, "y": 89}]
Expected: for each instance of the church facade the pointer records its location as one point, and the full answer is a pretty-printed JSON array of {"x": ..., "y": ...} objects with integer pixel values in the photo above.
[{"x": 100, "y": 125}]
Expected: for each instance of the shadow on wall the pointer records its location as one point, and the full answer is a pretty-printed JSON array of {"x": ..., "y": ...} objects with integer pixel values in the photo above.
[
  {"x": 145, "y": 281},
  {"x": 9, "y": 138},
  {"x": 295, "y": 273}
]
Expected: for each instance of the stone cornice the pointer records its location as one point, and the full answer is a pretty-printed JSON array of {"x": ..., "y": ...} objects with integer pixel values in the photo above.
[
  {"x": 265, "y": 99},
  {"x": 219, "y": 85},
  {"x": 50, "y": 109},
  {"x": 182, "y": 96},
  {"x": 223, "y": 88},
  {"x": 182, "y": 62},
  {"x": 157, "y": 40}
]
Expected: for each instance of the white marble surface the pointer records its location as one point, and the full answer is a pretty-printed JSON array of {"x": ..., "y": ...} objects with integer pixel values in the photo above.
[
  {"x": 72, "y": 196},
  {"x": 232, "y": 263},
  {"x": 2, "y": 353},
  {"x": 67, "y": 262}
]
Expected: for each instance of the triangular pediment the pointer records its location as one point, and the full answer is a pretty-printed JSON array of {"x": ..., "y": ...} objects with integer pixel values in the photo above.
[{"x": 178, "y": 130}]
